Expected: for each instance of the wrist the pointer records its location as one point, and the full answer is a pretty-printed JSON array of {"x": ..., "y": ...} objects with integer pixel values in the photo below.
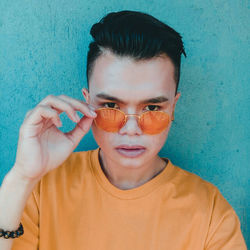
[
  {"x": 14, "y": 192},
  {"x": 15, "y": 176}
]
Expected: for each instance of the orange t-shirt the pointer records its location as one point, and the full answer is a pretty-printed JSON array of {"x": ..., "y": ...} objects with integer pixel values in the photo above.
[{"x": 75, "y": 207}]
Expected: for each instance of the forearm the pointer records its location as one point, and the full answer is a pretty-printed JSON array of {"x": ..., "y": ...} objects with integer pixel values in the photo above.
[{"x": 14, "y": 193}]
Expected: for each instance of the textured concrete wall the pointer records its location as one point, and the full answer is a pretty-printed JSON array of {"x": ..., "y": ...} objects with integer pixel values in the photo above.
[{"x": 43, "y": 47}]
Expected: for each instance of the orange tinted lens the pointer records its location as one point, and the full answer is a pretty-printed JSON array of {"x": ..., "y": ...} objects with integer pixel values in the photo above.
[
  {"x": 154, "y": 122},
  {"x": 110, "y": 120}
]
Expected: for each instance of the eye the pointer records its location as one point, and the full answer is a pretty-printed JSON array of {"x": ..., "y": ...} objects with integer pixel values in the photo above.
[
  {"x": 153, "y": 108},
  {"x": 109, "y": 105}
]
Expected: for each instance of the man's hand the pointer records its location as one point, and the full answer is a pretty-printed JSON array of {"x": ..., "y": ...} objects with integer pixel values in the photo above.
[{"x": 41, "y": 145}]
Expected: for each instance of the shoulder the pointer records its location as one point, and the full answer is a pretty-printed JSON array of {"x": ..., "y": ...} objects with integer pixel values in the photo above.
[
  {"x": 203, "y": 200},
  {"x": 70, "y": 171},
  {"x": 191, "y": 182},
  {"x": 198, "y": 190},
  {"x": 75, "y": 162}
]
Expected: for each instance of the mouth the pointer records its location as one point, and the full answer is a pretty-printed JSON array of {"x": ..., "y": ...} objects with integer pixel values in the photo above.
[{"x": 130, "y": 151}]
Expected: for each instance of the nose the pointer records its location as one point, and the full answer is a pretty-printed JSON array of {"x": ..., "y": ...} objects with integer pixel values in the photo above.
[{"x": 131, "y": 126}]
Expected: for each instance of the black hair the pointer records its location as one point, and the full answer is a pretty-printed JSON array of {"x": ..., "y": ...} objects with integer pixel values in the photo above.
[{"x": 137, "y": 35}]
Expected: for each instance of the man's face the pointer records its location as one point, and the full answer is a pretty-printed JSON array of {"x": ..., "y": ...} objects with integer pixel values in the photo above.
[{"x": 131, "y": 83}]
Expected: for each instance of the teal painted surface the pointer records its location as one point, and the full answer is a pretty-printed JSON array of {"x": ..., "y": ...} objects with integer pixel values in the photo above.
[{"x": 43, "y": 46}]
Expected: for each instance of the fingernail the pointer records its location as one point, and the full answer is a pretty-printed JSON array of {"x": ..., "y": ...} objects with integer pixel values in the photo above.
[
  {"x": 77, "y": 117},
  {"x": 93, "y": 113}
]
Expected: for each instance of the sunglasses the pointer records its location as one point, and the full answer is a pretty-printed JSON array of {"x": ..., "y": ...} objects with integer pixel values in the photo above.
[{"x": 150, "y": 122}]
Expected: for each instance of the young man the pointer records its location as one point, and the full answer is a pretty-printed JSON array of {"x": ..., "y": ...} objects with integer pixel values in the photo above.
[{"x": 121, "y": 195}]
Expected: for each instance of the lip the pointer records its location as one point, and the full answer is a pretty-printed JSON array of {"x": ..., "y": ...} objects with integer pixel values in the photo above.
[
  {"x": 130, "y": 151},
  {"x": 125, "y": 146}
]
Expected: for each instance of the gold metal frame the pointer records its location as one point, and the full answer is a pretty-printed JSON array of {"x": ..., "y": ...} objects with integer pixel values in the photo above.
[{"x": 126, "y": 115}]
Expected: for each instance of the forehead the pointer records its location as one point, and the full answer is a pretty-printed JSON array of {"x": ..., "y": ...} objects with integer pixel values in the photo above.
[{"x": 132, "y": 80}]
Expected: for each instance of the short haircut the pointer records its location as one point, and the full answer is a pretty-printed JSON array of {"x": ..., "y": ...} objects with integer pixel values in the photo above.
[{"x": 137, "y": 35}]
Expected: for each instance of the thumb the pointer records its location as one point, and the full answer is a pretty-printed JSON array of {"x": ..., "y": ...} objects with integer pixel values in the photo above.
[{"x": 80, "y": 130}]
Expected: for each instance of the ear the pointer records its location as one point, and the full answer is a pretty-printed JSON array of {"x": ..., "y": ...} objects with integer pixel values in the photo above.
[
  {"x": 85, "y": 93},
  {"x": 177, "y": 96}
]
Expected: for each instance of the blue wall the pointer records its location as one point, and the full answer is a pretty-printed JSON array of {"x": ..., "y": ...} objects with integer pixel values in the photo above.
[{"x": 43, "y": 46}]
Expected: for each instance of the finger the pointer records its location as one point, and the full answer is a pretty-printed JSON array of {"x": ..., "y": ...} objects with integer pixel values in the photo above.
[
  {"x": 68, "y": 105},
  {"x": 80, "y": 130},
  {"x": 60, "y": 106},
  {"x": 38, "y": 114},
  {"x": 79, "y": 105}
]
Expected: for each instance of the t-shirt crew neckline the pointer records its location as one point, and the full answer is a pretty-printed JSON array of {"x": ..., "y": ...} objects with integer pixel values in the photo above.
[{"x": 133, "y": 193}]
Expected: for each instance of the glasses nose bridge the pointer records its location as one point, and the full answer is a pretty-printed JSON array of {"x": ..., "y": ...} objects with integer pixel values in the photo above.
[
  {"x": 136, "y": 115},
  {"x": 129, "y": 127}
]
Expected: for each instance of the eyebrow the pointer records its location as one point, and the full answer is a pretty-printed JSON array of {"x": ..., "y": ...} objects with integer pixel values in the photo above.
[{"x": 158, "y": 99}]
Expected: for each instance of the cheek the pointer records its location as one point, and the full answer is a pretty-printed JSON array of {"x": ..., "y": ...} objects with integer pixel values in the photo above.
[
  {"x": 102, "y": 138},
  {"x": 158, "y": 140}
]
